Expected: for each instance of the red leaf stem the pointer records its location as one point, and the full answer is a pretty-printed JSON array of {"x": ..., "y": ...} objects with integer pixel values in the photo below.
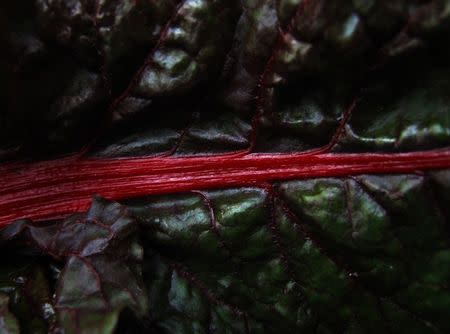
[{"x": 52, "y": 189}]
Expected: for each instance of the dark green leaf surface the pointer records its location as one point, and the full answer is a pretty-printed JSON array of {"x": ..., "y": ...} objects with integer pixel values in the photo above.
[
  {"x": 201, "y": 77},
  {"x": 318, "y": 256}
]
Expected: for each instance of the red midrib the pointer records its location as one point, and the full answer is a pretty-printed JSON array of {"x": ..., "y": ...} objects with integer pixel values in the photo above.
[{"x": 53, "y": 189}]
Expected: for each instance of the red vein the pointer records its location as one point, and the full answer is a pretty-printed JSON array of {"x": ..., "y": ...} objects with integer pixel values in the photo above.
[
  {"x": 162, "y": 37},
  {"x": 56, "y": 188}
]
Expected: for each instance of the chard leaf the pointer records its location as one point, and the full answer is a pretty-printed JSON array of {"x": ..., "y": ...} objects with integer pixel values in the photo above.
[{"x": 269, "y": 166}]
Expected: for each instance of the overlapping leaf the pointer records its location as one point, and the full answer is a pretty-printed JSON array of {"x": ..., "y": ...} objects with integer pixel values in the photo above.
[{"x": 101, "y": 275}]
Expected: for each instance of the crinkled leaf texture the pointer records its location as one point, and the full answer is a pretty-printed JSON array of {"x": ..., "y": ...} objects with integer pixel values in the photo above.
[
  {"x": 363, "y": 254},
  {"x": 102, "y": 265},
  {"x": 307, "y": 81}
]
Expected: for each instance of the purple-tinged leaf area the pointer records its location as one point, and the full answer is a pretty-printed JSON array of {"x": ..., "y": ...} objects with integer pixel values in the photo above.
[{"x": 101, "y": 275}]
